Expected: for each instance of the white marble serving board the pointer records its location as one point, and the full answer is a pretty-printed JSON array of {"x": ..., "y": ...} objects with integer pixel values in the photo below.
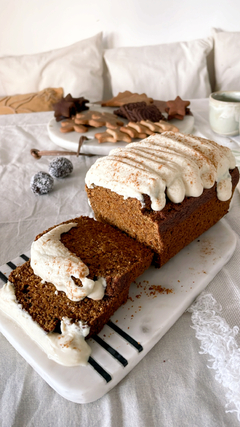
[
  {"x": 145, "y": 318},
  {"x": 70, "y": 140}
]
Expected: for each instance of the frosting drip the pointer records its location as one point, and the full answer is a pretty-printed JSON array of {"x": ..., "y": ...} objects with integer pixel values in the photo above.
[
  {"x": 54, "y": 263},
  {"x": 180, "y": 165},
  {"x": 68, "y": 348}
]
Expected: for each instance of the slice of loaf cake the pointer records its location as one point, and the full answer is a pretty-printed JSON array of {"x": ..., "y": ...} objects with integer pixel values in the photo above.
[
  {"x": 90, "y": 266},
  {"x": 164, "y": 191}
]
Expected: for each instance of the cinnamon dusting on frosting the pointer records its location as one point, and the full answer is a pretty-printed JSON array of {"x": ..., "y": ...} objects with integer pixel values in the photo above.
[{"x": 180, "y": 165}]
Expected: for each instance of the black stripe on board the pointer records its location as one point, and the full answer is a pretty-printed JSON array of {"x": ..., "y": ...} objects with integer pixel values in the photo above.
[
  {"x": 99, "y": 369},
  {"x": 111, "y": 350},
  {"x": 124, "y": 335},
  {"x": 11, "y": 265},
  {"x": 3, "y": 278},
  {"x": 25, "y": 257}
]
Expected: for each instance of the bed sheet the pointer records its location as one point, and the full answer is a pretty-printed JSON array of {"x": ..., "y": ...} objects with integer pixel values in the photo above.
[{"x": 179, "y": 382}]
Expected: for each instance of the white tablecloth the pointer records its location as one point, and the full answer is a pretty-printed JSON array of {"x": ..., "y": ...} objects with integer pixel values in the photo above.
[{"x": 182, "y": 381}]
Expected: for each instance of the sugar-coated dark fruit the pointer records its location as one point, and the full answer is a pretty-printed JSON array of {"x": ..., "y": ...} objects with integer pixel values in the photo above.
[
  {"x": 60, "y": 167},
  {"x": 41, "y": 183}
]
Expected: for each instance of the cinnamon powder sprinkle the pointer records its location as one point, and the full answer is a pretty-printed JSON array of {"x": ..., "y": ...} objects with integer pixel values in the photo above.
[
  {"x": 159, "y": 289},
  {"x": 150, "y": 291}
]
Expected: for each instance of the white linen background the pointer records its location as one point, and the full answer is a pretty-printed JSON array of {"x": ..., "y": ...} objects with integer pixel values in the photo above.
[
  {"x": 172, "y": 386},
  {"x": 42, "y": 25}
]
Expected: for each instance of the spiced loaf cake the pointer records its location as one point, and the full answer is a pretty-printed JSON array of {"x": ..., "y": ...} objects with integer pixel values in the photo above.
[
  {"x": 164, "y": 191},
  {"x": 79, "y": 271}
]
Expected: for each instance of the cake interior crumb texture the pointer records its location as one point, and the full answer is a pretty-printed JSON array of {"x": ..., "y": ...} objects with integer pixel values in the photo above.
[
  {"x": 167, "y": 231},
  {"x": 108, "y": 253}
]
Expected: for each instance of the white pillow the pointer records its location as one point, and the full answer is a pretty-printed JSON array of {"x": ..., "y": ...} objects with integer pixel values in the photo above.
[
  {"x": 77, "y": 69},
  {"x": 162, "y": 71},
  {"x": 227, "y": 60}
]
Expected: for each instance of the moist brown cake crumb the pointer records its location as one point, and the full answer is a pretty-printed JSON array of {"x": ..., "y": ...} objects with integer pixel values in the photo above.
[
  {"x": 108, "y": 253},
  {"x": 167, "y": 231}
]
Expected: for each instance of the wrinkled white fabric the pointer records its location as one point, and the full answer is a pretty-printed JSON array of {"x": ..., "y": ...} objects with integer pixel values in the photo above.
[
  {"x": 218, "y": 340},
  {"x": 227, "y": 67},
  {"x": 172, "y": 386},
  {"x": 150, "y": 69},
  {"x": 76, "y": 68}
]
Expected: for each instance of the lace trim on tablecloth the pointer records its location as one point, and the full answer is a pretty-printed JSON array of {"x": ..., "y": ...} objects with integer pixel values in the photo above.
[{"x": 218, "y": 340}]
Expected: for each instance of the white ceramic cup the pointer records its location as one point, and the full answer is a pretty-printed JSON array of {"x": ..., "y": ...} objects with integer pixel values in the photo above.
[{"x": 224, "y": 112}]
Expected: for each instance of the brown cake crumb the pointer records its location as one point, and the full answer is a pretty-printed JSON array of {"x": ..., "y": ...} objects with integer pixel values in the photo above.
[
  {"x": 108, "y": 253},
  {"x": 167, "y": 231}
]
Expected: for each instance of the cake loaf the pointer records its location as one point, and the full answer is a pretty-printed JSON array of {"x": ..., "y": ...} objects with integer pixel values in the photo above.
[
  {"x": 79, "y": 274},
  {"x": 164, "y": 191}
]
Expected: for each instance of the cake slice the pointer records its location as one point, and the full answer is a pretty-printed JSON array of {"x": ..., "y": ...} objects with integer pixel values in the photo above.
[
  {"x": 90, "y": 266},
  {"x": 164, "y": 191}
]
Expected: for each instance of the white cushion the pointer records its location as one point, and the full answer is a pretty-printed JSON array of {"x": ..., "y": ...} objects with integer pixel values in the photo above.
[
  {"x": 227, "y": 59},
  {"x": 162, "y": 71},
  {"x": 77, "y": 69}
]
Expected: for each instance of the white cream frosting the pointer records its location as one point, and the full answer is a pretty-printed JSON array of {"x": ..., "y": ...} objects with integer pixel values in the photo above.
[
  {"x": 68, "y": 348},
  {"x": 53, "y": 262},
  {"x": 181, "y": 165}
]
